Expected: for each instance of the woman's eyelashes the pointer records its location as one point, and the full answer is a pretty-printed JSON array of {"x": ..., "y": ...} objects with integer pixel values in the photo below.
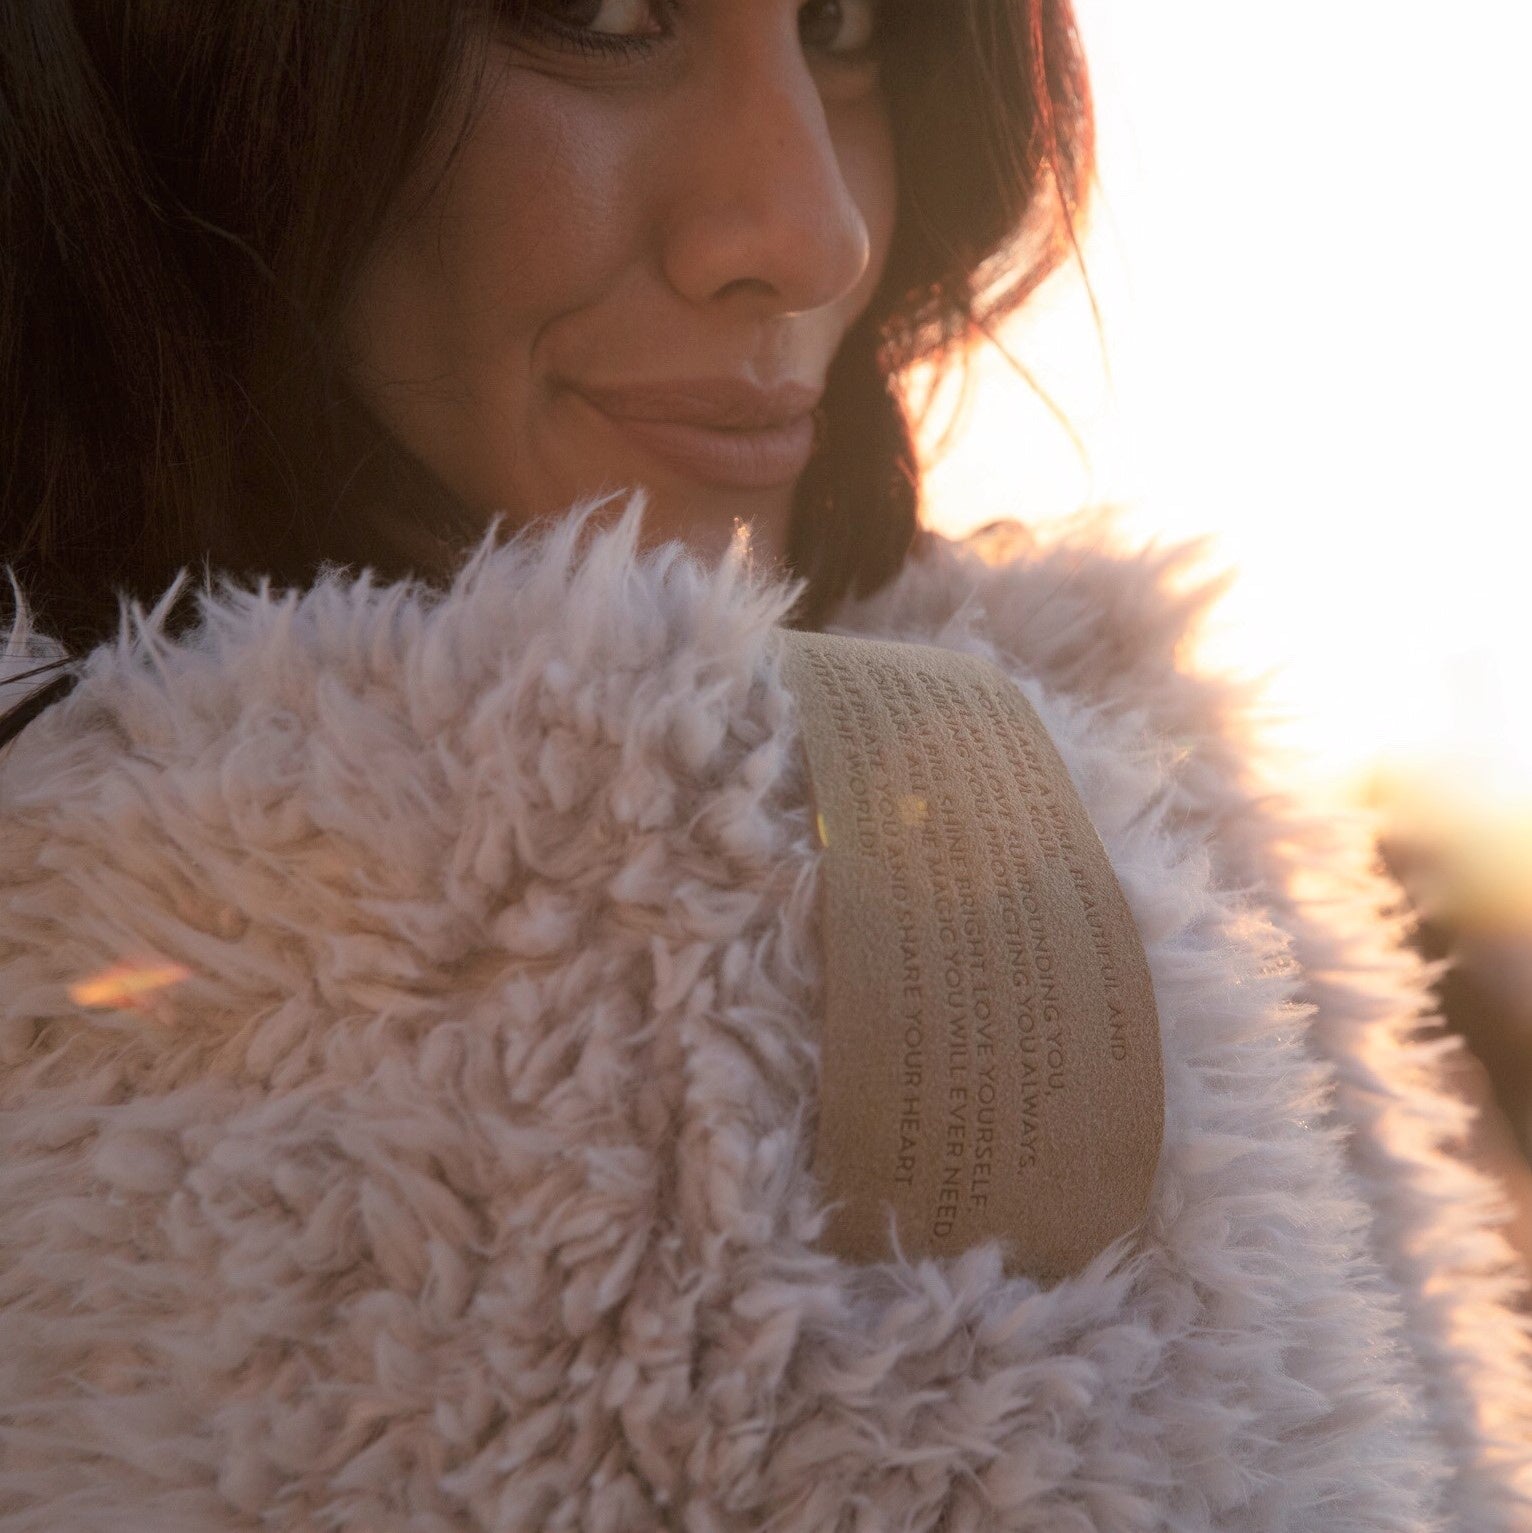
[
  {"x": 843, "y": 31},
  {"x": 591, "y": 26}
]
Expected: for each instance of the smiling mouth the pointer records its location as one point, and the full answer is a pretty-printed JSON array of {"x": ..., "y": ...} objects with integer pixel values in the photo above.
[{"x": 740, "y": 458}]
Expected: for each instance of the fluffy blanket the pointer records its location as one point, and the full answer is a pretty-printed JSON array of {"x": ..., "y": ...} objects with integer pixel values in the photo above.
[{"x": 408, "y": 1049}]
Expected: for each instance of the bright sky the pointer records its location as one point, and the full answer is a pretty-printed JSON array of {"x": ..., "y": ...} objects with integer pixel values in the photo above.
[{"x": 1313, "y": 258}]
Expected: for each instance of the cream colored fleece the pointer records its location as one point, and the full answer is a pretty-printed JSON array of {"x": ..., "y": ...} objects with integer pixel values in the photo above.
[{"x": 462, "y": 1181}]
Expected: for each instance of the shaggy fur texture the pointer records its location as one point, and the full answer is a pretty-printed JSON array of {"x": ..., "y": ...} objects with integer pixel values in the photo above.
[{"x": 462, "y": 1182}]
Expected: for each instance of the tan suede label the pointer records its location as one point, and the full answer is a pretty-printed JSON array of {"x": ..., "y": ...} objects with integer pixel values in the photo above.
[{"x": 991, "y": 1050}]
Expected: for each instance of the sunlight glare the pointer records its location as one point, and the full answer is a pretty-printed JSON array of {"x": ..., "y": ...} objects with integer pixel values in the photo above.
[{"x": 1312, "y": 270}]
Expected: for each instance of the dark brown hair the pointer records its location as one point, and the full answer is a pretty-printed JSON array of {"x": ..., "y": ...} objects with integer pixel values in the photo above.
[{"x": 187, "y": 191}]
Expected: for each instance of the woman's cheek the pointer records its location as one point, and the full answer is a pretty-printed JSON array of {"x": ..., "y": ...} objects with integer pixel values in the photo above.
[{"x": 550, "y": 211}]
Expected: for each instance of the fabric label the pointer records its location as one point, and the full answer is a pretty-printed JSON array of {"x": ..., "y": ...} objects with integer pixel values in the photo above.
[{"x": 990, "y": 1061}]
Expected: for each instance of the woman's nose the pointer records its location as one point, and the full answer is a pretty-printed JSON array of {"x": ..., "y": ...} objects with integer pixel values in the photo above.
[{"x": 762, "y": 215}]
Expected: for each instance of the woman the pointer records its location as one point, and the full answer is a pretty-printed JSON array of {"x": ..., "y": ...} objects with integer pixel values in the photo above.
[{"x": 410, "y": 988}]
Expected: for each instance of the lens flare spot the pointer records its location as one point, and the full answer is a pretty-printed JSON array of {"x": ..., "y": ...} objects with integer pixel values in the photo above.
[{"x": 126, "y": 984}]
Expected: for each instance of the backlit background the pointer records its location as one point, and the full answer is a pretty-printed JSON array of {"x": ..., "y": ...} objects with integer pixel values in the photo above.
[{"x": 1312, "y": 258}]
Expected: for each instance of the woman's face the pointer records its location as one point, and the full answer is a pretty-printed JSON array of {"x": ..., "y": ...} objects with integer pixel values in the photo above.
[{"x": 665, "y": 217}]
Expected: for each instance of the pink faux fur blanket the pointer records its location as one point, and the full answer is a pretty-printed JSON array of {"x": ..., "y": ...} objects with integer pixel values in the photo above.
[{"x": 461, "y": 1180}]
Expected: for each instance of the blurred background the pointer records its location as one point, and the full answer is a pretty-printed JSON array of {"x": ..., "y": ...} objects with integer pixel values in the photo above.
[{"x": 1311, "y": 256}]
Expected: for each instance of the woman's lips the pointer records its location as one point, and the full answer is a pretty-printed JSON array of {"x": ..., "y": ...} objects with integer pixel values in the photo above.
[{"x": 741, "y": 459}]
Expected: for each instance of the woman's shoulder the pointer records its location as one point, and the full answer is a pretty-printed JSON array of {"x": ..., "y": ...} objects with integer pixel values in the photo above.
[
  {"x": 1114, "y": 627},
  {"x": 1078, "y": 603}
]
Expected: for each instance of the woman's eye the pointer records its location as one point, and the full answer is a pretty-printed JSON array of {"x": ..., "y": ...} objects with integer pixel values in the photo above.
[
  {"x": 596, "y": 26},
  {"x": 841, "y": 28}
]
